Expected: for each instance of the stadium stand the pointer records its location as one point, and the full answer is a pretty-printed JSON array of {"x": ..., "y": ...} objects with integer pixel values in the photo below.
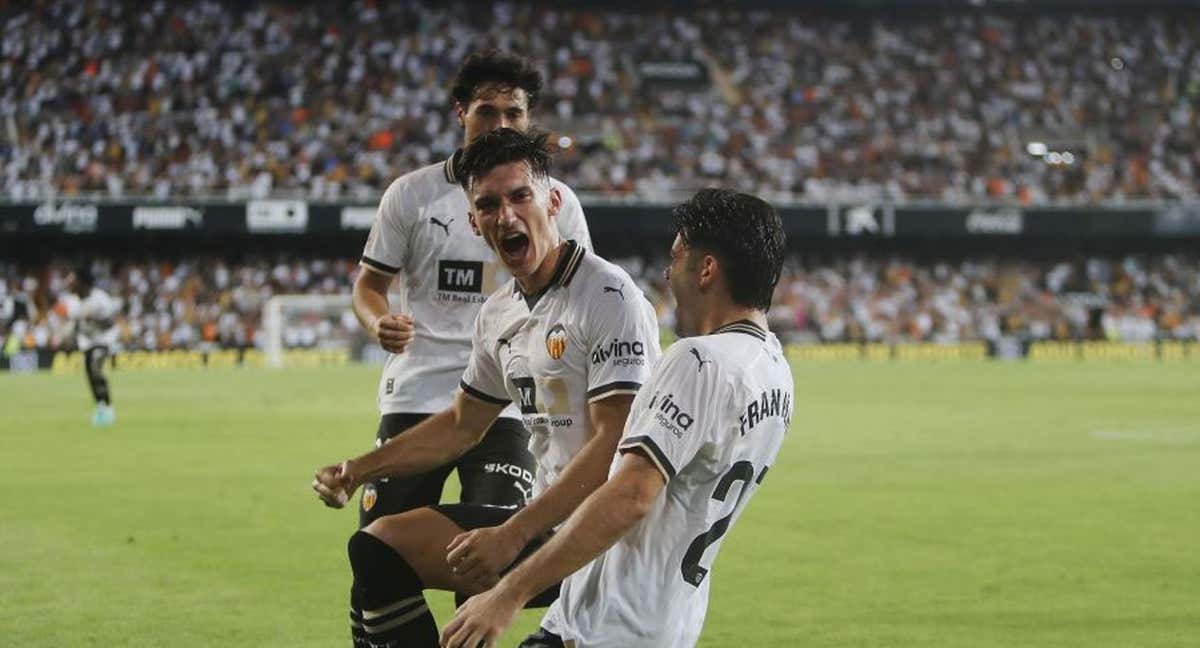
[
  {"x": 946, "y": 114},
  {"x": 333, "y": 100}
]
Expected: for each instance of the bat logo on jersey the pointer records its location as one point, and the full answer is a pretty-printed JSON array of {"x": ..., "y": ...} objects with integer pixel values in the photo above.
[
  {"x": 700, "y": 360},
  {"x": 670, "y": 415},
  {"x": 369, "y": 497},
  {"x": 556, "y": 341},
  {"x": 620, "y": 352},
  {"x": 445, "y": 226},
  {"x": 460, "y": 276},
  {"x": 617, "y": 290}
]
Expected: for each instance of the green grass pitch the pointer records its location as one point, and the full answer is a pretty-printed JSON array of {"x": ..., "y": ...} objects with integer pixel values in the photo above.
[{"x": 914, "y": 504}]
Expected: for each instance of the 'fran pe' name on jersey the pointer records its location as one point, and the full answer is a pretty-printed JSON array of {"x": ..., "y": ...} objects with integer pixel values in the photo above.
[{"x": 772, "y": 402}]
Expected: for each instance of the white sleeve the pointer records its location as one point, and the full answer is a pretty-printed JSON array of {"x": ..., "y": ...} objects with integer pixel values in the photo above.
[
  {"x": 483, "y": 378},
  {"x": 112, "y": 307},
  {"x": 99, "y": 307},
  {"x": 571, "y": 222},
  {"x": 386, "y": 251},
  {"x": 621, "y": 333},
  {"x": 677, "y": 412}
]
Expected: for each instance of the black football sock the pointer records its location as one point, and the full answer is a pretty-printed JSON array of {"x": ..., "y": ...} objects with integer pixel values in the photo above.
[{"x": 387, "y": 608}]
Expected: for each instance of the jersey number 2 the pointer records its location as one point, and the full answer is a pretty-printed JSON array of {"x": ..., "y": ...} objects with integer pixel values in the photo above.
[{"x": 742, "y": 471}]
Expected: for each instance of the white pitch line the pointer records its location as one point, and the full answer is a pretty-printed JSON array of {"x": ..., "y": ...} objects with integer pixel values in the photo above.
[{"x": 1148, "y": 436}]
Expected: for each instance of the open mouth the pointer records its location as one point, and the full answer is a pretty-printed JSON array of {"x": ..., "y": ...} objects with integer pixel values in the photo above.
[{"x": 514, "y": 244}]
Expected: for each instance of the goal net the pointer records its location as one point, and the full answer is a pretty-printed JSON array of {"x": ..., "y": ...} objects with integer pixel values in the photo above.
[{"x": 315, "y": 322}]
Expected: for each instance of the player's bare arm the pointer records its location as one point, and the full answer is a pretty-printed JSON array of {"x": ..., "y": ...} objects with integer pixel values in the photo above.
[
  {"x": 434, "y": 442},
  {"x": 481, "y": 555},
  {"x": 596, "y": 525},
  {"x": 394, "y": 331}
]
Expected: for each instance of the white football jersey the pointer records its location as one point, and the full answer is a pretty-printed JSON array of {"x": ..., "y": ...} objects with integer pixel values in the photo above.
[
  {"x": 711, "y": 418},
  {"x": 422, "y": 232},
  {"x": 591, "y": 333},
  {"x": 94, "y": 317}
]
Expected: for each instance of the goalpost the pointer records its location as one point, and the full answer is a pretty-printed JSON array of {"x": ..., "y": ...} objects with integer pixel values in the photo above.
[{"x": 307, "y": 321}]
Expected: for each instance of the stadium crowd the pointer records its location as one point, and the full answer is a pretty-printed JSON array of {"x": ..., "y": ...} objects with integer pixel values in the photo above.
[
  {"x": 201, "y": 303},
  {"x": 333, "y": 100},
  {"x": 211, "y": 303}
]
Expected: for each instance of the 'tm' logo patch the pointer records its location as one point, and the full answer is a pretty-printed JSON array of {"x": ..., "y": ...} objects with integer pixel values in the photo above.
[{"x": 460, "y": 276}]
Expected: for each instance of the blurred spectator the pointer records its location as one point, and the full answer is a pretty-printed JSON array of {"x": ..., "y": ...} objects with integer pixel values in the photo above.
[
  {"x": 900, "y": 300},
  {"x": 333, "y": 100},
  {"x": 895, "y": 299},
  {"x": 213, "y": 303}
]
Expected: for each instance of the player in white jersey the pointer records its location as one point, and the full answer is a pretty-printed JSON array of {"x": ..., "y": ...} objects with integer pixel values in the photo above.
[
  {"x": 700, "y": 438},
  {"x": 569, "y": 339},
  {"x": 422, "y": 234},
  {"x": 93, "y": 312}
]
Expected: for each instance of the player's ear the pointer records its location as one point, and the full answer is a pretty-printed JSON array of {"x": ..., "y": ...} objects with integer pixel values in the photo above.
[
  {"x": 555, "y": 200},
  {"x": 709, "y": 270},
  {"x": 474, "y": 227},
  {"x": 461, "y": 112}
]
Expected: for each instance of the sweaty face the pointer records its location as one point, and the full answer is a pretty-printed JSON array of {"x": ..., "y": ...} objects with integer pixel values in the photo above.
[
  {"x": 683, "y": 276},
  {"x": 494, "y": 107},
  {"x": 515, "y": 212}
]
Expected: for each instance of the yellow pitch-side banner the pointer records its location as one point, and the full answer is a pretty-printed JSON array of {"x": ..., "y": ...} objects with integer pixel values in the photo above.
[
  {"x": 1163, "y": 351},
  {"x": 178, "y": 359},
  {"x": 877, "y": 352}
]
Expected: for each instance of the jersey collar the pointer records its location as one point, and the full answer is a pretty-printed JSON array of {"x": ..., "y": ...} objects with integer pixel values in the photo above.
[
  {"x": 450, "y": 167},
  {"x": 742, "y": 326},
  {"x": 564, "y": 272}
]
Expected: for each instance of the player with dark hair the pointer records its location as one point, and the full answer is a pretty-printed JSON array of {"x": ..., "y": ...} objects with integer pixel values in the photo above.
[
  {"x": 570, "y": 354},
  {"x": 92, "y": 311},
  {"x": 422, "y": 235},
  {"x": 501, "y": 71},
  {"x": 701, "y": 435}
]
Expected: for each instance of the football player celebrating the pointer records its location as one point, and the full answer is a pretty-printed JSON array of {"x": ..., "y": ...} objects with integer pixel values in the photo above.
[
  {"x": 422, "y": 234},
  {"x": 702, "y": 434},
  {"x": 568, "y": 352}
]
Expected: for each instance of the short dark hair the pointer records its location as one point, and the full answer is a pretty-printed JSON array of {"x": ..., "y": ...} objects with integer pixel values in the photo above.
[
  {"x": 744, "y": 233},
  {"x": 499, "y": 68},
  {"x": 502, "y": 146},
  {"x": 83, "y": 274}
]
